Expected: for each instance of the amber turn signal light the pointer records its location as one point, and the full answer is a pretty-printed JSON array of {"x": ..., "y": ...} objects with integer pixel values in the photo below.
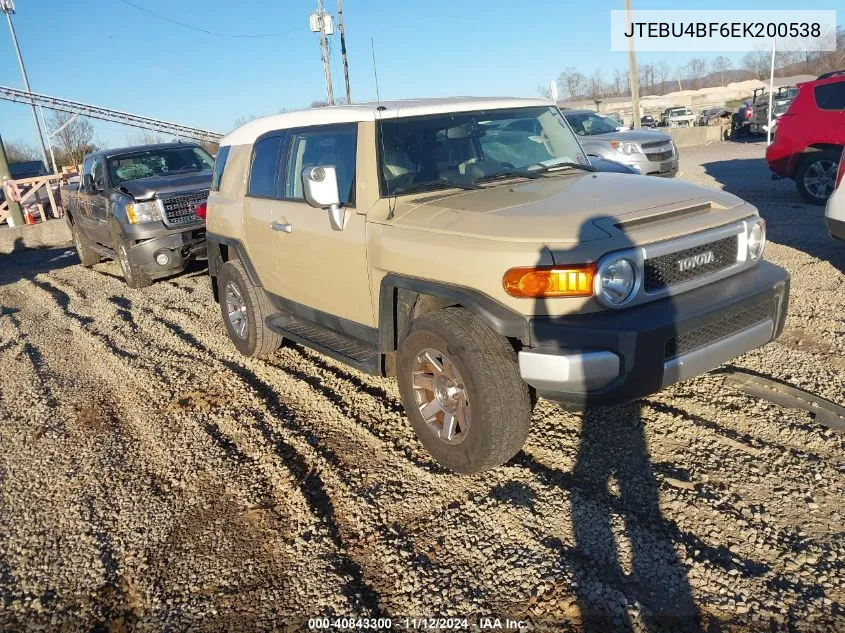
[{"x": 550, "y": 281}]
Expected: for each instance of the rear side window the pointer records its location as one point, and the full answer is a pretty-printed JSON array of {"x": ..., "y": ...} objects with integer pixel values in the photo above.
[
  {"x": 262, "y": 175},
  {"x": 327, "y": 146},
  {"x": 219, "y": 166},
  {"x": 830, "y": 96}
]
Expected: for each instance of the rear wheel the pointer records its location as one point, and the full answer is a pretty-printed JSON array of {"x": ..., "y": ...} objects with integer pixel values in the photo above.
[
  {"x": 817, "y": 175},
  {"x": 461, "y": 388},
  {"x": 87, "y": 256},
  {"x": 244, "y": 308}
]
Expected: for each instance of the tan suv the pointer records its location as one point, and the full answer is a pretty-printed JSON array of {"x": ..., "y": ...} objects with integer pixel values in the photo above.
[{"x": 480, "y": 262}]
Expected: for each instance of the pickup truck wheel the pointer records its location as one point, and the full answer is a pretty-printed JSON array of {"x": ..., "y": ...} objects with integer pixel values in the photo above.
[
  {"x": 244, "y": 308},
  {"x": 461, "y": 388},
  {"x": 132, "y": 274},
  {"x": 817, "y": 175},
  {"x": 87, "y": 256}
]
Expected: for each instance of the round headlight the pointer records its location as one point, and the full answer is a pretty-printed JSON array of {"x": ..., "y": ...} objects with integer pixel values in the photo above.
[
  {"x": 756, "y": 239},
  {"x": 616, "y": 281}
]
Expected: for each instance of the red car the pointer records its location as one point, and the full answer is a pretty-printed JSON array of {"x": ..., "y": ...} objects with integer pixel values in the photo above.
[{"x": 810, "y": 137}]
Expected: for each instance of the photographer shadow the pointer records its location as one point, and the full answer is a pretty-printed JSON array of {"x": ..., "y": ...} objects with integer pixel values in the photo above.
[{"x": 628, "y": 573}]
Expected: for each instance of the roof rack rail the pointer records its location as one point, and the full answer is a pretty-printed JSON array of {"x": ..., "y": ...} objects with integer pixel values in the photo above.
[{"x": 833, "y": 73}]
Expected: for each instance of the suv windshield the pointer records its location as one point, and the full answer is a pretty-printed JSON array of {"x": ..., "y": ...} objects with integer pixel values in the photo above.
[
  {"x": 158, "y": 162},
  {"x": 460, "y": 148},
  {"x": 589, "y": 123}
]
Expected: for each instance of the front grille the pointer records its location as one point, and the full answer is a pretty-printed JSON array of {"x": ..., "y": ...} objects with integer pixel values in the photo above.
[
  {"x": 716, "y": 330},
  {"x": 665, "y": 271},
  {"x": 651, "y": 144},
  {"x": 181, "y": 209},
  {"x": 659, "y": 156}
]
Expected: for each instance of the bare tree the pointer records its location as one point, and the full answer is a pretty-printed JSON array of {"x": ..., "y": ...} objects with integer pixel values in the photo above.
[
  {"x": 20, "y": 152},
  {"x": 145, "y": 137},
  {"x": 574, "y": 84},
  {"x": 243, "y": 120},
  {"x": 662, "y": 73},
  {"x": 757, "y": 64},
  {"x": 619, "y": 79},
  {"x": 695, "y": 70},
  {"x": 544, "y": 91},
  {"x": 74, "y": 140},
  {"x": 596, "y": 88},
  {"x": 720, "y": 67}
]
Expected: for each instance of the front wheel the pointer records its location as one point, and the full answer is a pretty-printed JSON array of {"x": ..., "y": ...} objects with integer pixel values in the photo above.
[
  {"x": 462, "y": 391},
  {"x": 132, "y": 273},
  {"x": 817, "y": 175}
]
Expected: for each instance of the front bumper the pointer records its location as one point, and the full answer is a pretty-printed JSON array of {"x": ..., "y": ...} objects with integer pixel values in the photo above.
[
  {"x": 834, "y": 215},
  {"x": 615, "y": 356},
  {"x": 179, "y": 247},
  {"x": 641, "y": 164}
]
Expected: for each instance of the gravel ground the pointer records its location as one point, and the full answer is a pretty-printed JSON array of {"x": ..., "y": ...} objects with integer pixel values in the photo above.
[{"x": 151, "y": 478}]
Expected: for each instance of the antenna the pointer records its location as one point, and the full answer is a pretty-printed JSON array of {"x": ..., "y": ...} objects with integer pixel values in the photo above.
[{"x": 375, "y": 71}]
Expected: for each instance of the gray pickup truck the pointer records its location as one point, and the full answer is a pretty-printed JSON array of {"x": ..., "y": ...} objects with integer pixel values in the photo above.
[{"x": 138, "y": 205}]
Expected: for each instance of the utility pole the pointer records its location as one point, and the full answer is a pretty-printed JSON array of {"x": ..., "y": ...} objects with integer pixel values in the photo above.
[
  {"x": 343, "y": 49},
  {"x": 8, "y": 7},
  {"x": 15, "y": 213},
  {"x": 633, "y": 79},
  {"x": 324, "y": 46}
]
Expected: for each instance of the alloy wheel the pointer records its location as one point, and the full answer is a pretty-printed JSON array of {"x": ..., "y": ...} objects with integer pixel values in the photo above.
[
  {"x": 441, "y": 396},
  {"x": 819, "y": 178},
  {"x": 236, "y": 310}
]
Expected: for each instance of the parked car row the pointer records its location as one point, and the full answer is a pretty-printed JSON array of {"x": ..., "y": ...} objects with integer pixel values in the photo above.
[{"x": 467, "y": 247}]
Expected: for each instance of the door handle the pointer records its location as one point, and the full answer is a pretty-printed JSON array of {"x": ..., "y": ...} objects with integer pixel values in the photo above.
[{"x": 280, "y": 226}]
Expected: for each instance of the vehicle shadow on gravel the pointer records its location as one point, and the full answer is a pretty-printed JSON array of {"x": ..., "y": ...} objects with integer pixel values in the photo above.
[
  {"x": 790, "y": 220},
  {"x": 628, "y": 573},
  {"x": 26, "y": 263}
]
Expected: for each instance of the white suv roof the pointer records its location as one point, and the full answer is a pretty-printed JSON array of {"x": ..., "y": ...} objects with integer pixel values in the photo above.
[{"x": 247, "y": 133}]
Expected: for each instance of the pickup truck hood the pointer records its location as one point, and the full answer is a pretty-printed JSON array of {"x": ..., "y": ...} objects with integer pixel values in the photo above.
[
  {"x": 573, "y": 208},
  {"x": 146, "y": 188}
]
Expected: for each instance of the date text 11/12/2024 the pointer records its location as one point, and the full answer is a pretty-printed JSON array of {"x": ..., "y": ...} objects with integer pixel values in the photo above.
[{"x": 416, "y": 624}]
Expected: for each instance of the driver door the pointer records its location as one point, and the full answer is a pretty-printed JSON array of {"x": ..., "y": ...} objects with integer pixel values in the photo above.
[{"x": 323, "y": 269}]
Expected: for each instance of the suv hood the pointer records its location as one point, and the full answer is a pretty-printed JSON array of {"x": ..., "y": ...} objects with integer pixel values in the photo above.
[
  {"x": 570, "y": 208},
  {"x": 632, "y": 136},
  {"x": 146, "y": 188}
]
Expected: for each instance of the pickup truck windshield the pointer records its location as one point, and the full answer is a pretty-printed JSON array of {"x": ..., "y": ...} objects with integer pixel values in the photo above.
[
  {"x": 158, "y": 162},
  {"x": 459, "y": 149}
]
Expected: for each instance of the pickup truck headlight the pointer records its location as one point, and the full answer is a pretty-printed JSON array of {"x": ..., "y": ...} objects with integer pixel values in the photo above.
[
  {"x": 625, "y": 147},
  {"x": 615, "y": 281},
  {"x": 138, "y": 212},
  {"x": 756, "y": 238}
]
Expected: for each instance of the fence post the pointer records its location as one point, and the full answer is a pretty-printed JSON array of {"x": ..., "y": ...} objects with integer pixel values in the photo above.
[{"x": 15, "y": 212}]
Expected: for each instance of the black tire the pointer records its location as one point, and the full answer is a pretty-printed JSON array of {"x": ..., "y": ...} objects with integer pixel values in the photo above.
[
  {"x": 132, "y": 273},
  {"x": 499, "y": 400},
  {"x": 87, "y": 256},
  {"x": 256, "y": 340},
  {"x": 811, "y": 165}
]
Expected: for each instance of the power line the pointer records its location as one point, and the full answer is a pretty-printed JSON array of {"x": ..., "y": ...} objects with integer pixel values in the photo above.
[{"x": 199, "y": 29}]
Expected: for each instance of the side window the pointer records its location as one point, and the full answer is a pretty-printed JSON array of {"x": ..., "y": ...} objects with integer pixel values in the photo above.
[
  {"x": 87, "y": 166},
  {"x": 97, "y": 171},
  {"x": 328, "y": 146},
  {"x": 262, "y": 174},
  {"x": 219, "y": 166},
  {"x": 831, "y": 96}
]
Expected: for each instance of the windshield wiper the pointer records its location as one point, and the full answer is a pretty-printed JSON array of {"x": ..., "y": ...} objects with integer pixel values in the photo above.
[
  {"x": 520, "y": 173},
  {"x": 443, "y": 183},
  {"x": 547, "y": 168}
]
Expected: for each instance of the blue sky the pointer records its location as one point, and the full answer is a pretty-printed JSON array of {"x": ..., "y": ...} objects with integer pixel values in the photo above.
[{"x": 107, "y": 53}]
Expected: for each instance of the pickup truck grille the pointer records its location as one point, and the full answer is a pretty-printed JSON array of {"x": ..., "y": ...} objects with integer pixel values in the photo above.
[
  {"x": 668, "y": 270},
  {"x": 181, "y": 209},
  {"x": 716, "y": 330}
]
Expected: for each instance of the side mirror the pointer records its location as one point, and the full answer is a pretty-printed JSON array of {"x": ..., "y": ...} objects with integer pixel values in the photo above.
[
  {"x": 321, "y": 191},
  {"x": 88, "y": 183}
]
